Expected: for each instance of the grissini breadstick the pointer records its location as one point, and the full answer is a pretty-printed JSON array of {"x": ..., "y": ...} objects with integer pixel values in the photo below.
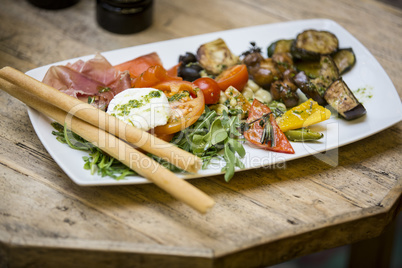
[
  {"x": 99, "y": 118},
  {"x": 143, "y": 165}
]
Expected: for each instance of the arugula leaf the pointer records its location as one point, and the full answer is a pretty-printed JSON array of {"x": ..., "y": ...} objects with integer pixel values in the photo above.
[
  {"x": 98, "y": 161},
  {"x": 237, "y": 147},
  {"x": 230, "y": 158},
  {"x": 211, "y": 135}
]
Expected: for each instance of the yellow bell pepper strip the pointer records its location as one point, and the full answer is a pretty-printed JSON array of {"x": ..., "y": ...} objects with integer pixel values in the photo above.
[{"x": 303, "y": 115}]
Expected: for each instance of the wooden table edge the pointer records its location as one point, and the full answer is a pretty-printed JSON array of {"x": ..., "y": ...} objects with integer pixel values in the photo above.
[{"x": 300, "y": 242}]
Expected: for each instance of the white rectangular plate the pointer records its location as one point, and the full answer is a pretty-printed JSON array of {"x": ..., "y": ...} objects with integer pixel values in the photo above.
[{"x": 384, "y": 108}]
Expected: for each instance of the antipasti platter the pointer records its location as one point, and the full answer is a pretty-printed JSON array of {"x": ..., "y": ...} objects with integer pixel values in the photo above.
[{"x": 368, "y": 80}]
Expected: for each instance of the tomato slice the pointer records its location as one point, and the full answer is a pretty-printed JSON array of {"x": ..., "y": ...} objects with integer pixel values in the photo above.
[
  {"x": 254, "y": 133},
  {"x": 210, "y": 89},
  {"x": 186, "y": 107},
  {"x": 165, "y": 137},
  {"x": 139, "y": 65},
  {"x": 152, "y": 76},
  {"x": 236, "y": 76}
]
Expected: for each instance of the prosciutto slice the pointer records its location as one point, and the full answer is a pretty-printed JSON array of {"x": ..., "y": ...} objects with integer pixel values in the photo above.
[{"x": 95, "y": 80}]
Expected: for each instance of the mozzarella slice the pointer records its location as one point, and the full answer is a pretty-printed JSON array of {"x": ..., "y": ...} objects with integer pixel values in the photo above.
[{"x": 144, "y": 108}]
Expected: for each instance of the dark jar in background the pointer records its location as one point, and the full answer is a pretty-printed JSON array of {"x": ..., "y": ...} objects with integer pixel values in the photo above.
[
  {"x": 124, "y": 16},
  {"x": 53, "y": 4}
]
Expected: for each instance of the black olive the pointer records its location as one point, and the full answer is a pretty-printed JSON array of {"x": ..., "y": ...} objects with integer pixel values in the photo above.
[
  {"x": 187, "y": 58},
  {"x": 189, "y": 73}
]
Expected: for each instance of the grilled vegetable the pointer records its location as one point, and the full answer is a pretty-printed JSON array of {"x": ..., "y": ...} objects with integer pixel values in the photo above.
[
  {"x": 303, "y": 134},
  {"x": 263, "y": 130},
  {"x": 215, "y": 57},
  {"x": 311, "y": 44},
  {"x": 263, "y": 71},
  {"x": 308, "y": 88},
  {"x": 342, "y": 99},
  {"x": 283, "y": 60},
  {"x": 310, "y": 68},
  {"x": 328, "y": 72},
  {"x": 280, "y": 46},
  {"x": 285, "y": 89},
  {"x": 344, "y": 59},
  {"x": 315, "y": 88},
  {"x": 306, "y": 114}
]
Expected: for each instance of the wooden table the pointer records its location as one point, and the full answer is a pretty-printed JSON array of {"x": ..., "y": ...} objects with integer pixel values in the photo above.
[{"x": 262, "y": 217}]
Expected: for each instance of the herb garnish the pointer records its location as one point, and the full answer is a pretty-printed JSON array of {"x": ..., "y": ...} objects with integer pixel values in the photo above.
[
  {"x": 104, "y": 89},
  {"x": 268, "y": 134}
]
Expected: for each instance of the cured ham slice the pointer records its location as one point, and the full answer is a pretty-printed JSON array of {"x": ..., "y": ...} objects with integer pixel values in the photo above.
[
  {"x": 95, "y": 81},
  {"x": 97, "y": 68}
]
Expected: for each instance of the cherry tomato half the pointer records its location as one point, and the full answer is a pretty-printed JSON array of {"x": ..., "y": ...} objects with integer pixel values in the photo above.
[
  {"x": 210, "y": 88},
  {"x": 236, "y": 76},
  {"x": 186, "y": 108}
]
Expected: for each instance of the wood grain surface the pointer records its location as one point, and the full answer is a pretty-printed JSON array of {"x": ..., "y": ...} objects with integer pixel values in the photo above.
[{"x": 262, "y": 217}]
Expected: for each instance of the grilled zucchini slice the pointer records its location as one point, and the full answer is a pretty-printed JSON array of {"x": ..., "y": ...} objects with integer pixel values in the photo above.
[
  {"x": 280, "y": 46},
  {"x": 216, "y": 56},
  {"x": 311, "y": 44},
  {"x": 344, "y": 59},
  {"x": 342, "y": 99},
  {"x": 310, "y": 68}
]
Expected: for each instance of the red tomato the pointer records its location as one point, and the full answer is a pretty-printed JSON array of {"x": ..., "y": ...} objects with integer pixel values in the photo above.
[
  {"x": 139, "y": 65},
  {"x": 173, "y": 70},
  {"x": 165, "y": 137},
  {"x": 210, "y": 88},
  {"x": 254, "y": 133},
  {"x": 152, "y": 76},
  {"x": 236, "y": 76},
  {"x": 186, "y": 109}
]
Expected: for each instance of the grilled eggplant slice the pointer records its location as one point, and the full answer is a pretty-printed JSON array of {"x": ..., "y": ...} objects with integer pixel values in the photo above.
[
  {"x": 308, "y": 88},
  {"x": 342, "y": 99},
  {"x": 280, "y": 46},
  {"x": 315, "y": 88},
  {"x": 328, "y": 71},
  {"x": 216, "y": 56},
  {"x": 311, "y": 44},
  {"x": 344, "y": 59}
]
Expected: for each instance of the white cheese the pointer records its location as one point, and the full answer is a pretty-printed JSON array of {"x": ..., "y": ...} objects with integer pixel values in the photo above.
[{"x": 144, "y": 108}]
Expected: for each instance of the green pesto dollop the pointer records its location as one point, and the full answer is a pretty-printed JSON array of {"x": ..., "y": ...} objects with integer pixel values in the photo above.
[{"x": 124, "y": 109}]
